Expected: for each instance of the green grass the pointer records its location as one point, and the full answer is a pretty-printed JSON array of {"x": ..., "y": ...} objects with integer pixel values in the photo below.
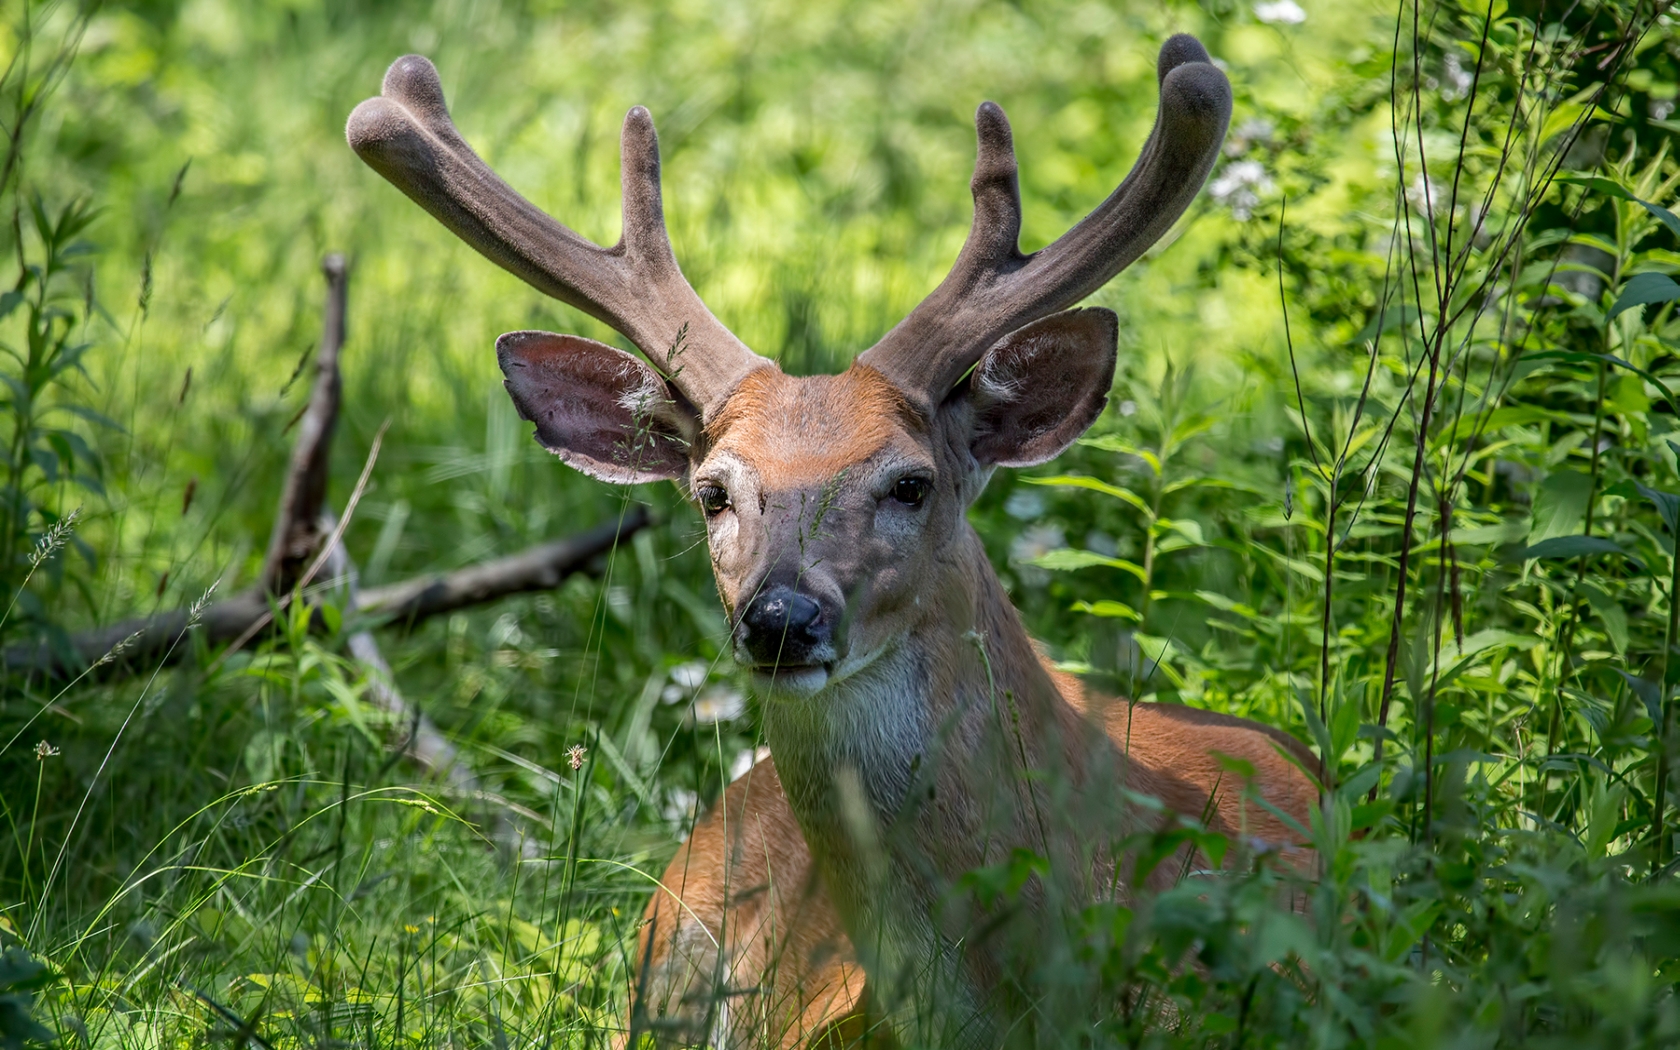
[{"x": 232, "y": 852}]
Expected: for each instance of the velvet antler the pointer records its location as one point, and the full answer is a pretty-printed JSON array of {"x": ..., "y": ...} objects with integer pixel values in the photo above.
[
  {"x": 635, "y": 286},
  {"x": 994, "y": 289}
]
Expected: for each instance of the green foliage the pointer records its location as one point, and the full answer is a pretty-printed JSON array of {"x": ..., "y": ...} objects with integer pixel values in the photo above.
[
  {"x": 46, "y": 319},
  {"x": 1386, "y": 350},
  {"x": 20, "y": 978}
]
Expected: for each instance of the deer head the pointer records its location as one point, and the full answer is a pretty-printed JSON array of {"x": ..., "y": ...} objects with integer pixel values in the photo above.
[{"x": 834, "y": 504}]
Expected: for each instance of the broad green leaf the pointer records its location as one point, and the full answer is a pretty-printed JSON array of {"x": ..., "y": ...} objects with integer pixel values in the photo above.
[
  {"x": 1648, "y": 692},
  {"x": 1599, "y": 184},
  {"x": 1577, "y": 356},
  {"x": 1361, "y": 439},
  {"x": 1560, "y": 506},
  {"x": 1109, "y": 609},
  {"x": 351, "y": 703},
  {"x": 1158, "y": 650},
  {"x": 1112, "y": 443},
  {"x": 1189, "y": 534},
  {"x": 1519, "y": 415},
  {"x": 1188, "y": 429},
  {"x": 1491, "y": 535},
  {"x": 1562, "y": 119},
  {"x": 1410, "y": 927},
  {"x": 1082, "y": 481},
  {"x": 1067, "y": 559},
  {"x": 1664, "y": 216},
  {"x": 1667, "y": 503},
  {"x": 1570, "y": 547},
  {"x": 1610, "y": 612},
  {"x": 1454, "y": 657},
  {"x": 1305, "y": 568},
  {"x": 1642, "y": 289},
  {"x": 1489, "y": 639},
  {"x": 1219, "y": 601}
]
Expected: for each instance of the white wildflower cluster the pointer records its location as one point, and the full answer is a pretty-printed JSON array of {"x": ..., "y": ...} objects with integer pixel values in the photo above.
[
  {"x": 1424, "y": 192},
  {"x": 1241, "y": 183},
  {"x": 1024, "y": 504},
  {"x": 1239, "y": 187},
  {"x": 1255, "y": 131},
  {"x": 718, "y": 702},
  {"x": 1455, "y": 79},
  {"x": 679, "y": 807},
  {"x": 1280, "y": 12}
]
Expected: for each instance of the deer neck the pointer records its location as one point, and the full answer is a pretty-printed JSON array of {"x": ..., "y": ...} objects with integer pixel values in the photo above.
[{"x": 906, "y": 774}]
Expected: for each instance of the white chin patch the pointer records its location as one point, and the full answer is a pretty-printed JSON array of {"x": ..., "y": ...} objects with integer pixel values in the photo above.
[{"x": 790, "y": 681}]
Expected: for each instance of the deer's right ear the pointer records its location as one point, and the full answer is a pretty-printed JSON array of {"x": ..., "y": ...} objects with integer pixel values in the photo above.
[{"x": 599, "y": 409}]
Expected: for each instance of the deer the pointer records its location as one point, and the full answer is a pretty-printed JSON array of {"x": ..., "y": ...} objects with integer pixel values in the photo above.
[{"x": 916, "y": 731}]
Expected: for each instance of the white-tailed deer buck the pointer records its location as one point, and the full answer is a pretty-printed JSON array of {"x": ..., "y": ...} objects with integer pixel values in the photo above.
[{"x": 916, "y": 733}]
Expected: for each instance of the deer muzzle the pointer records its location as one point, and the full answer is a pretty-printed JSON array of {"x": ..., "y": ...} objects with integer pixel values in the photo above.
[{"x": 786, "y": 639}]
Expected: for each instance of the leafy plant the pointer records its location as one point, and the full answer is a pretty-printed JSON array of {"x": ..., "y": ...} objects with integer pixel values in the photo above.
[{"x": 20, "y": 978}]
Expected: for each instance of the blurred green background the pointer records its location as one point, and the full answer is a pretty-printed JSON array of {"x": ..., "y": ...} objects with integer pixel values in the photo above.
[{"x": 228, "y": 851}]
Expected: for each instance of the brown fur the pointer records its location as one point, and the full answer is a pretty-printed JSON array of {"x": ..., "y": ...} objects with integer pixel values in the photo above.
[
  {"x": 851, "y": 834},
  {"x": 808, "y": 966},
  {"x": 745, "y": 880},
  {"x": 819, "y": 425}
]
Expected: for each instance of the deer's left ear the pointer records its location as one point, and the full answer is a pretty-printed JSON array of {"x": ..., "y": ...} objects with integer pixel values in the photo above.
[
  {"x": 1041, "y": 386},
  {"x": 596, "y": 407}
]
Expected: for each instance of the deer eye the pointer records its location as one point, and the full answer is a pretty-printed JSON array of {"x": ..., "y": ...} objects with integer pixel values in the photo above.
[
  {"x": 910, "y": 491},
  {"x": 714, "y": 500}
]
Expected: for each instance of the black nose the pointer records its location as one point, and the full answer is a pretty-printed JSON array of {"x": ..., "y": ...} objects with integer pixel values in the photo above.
[{"x": 782, "y": 626}]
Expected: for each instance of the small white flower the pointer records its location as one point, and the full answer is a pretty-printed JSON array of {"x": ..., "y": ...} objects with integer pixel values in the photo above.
[
  {"x": 720, "y": 703},
  {"x": 1239, "y": 187},
  {"x": 575, "y": 756},
  {"x": 1662, "y": 108},
  {"x": 1280, "y": 12},
  {"x": 44, "y": 750},
  {"x": 1128, "y": 407},
  {"x": 680, "y": 804},
  {"x": 1423, "y": 193},
  {"x": 1024, "y": 504},
  {"x": 689, "y": 676},
  {"x": 1255, "y": 131},
  {"x": 1458, "y": 79},
  {"x": 744, "y": 760}
]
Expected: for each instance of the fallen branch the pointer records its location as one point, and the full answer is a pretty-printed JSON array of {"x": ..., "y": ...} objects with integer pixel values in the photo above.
[
  {"x": 539, "y": 568},
  {"x": 297, "y": 533}
]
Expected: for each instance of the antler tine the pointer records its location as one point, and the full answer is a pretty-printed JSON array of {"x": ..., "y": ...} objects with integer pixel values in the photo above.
[
  {"x": 993, "y": 289},
  {"x": 636, "y": 286}
]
